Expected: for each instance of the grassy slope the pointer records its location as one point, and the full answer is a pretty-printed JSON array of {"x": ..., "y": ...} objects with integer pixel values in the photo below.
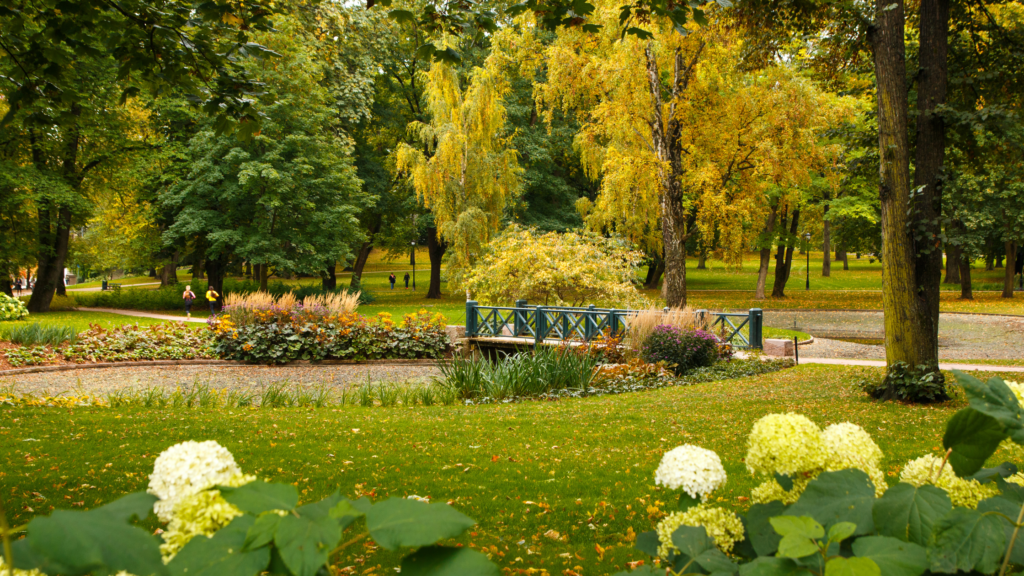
[{"x": 589, "y": 462}]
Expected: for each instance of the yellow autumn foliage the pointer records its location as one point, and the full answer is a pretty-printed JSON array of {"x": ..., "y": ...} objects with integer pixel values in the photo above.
[{"x": 563, "y": 269}]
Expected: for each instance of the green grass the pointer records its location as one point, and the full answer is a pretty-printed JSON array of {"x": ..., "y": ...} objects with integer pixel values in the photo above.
[
  {"x": 586, "y": 465},
  {"x": 769, "y": 332},
  {"x": 127, "y": 281},
  {"x": 80, "y": 320}
]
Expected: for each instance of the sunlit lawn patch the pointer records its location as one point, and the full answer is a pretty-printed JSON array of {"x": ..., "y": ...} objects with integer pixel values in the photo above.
[{"x": 581, "y": 468}]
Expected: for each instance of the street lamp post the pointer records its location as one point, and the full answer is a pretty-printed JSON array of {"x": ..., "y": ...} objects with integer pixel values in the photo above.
[
  {"x": 413, "y": 258},
  {"x": 807, "y": 240}
]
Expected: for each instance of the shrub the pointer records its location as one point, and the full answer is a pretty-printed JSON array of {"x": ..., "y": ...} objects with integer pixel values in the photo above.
[
  {"x": 36, "y": 334},
  {"x": 921, "y": 385},
  {"x": 12, "y": 308},
  {"x": 570, "y": 268},
  {"x": 169, "y": 341},
  {"x": 681, "y": 349},
  {"x": 280, "y": 334},
  {"x": 63, "y": 303}
]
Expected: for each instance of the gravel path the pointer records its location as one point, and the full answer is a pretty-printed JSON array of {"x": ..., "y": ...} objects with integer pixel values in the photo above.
[
  {"x": 99, "y": 381},
  {"x": 961, "y": 336}
]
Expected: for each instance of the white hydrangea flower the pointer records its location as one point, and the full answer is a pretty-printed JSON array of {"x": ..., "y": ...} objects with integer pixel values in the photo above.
[
  {"x": 962, "y": 492},
  {"x": 186, "y": 469},
  {"x": 418, "y": 498},
  {"x": 693, "y": 469},
  {"x": 1017, "y": 389}
]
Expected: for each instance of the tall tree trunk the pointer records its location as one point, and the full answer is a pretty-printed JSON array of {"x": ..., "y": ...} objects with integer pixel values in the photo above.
[
  {"x": 952, "y": 265},
  {"x": 781, "y": 274},
  {"x": 929, "y": 163},
  {"x": 766, "y": 251},
  {"x": 702, "y": 258},
  {"x": 842, "y": 256},
  {"x": 966, "y": 290},
  {"x": 909, "y": 326},
  {"x": 826, "y": 245},
  {"x": 435, "y": 249},
  {"x": 999, "y": 260},
  {"x": 247, "y": 271},
  {"x": 357, "y": 269},
  {"x": 654, "y": 272},
  {"x": 215, "y": 271},
  {"x": 665, "y": 132},
  {"x": 330, "y": 277},
  {"x": 169, "y": 271},
  {"x": 1008, "y": 274},
  {"x": 990, "y": 262},
  {"x": 6, "y": 286},
  {"x": 197, "y": 270},
  {"x": 256, "y": 268},
  {"x": 794, "y": 225},
  {"x": 264, "y": 275}
]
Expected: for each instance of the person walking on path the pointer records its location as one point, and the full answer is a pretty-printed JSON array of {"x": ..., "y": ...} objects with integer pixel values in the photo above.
[
  {"x": 406, "y": 280},
  {"x": 392, "y": 279},
  {"x": 211, "y": 297},
  {"x": 189, "y": 297}
]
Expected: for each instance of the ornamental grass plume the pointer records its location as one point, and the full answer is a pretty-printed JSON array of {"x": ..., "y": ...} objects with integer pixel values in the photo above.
[
  {"x": 695, "y": 470},
  {"x": 785, "y": 444},
  {"x": 723, "y": 526},
  {"x": 929, "y": 469},
  {"x": 642, "y": 323},
  {"x": 186, "y": 469}
]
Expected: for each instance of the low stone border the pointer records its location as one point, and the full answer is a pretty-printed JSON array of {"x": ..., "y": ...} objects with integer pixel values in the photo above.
[{"x": 67, "y": 367}]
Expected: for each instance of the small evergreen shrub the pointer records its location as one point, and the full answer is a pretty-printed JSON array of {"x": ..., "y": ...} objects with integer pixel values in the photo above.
[
  {"x": 921, "y": 385},
  {"x": 681, "y": 349}
]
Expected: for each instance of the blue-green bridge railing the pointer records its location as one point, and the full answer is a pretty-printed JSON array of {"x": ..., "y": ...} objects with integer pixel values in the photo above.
[{"x": 540, "y": 323}]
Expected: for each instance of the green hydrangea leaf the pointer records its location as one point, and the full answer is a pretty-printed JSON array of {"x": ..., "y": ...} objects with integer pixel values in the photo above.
[
  {"x": 798, "y": 526},
  {"x": 398, "y": 522},
  {"x": 841, "y": 531},
  {"x": 967, "y": 540},
  {"x": 1006, "y": 506},
  {"x": 852, "y": 567},
  {"x": 694, "y": 543},
  {"x": 644, "y": 570},
  {"x": 973, "y": 436},
  {"x": 442, "y": 561},
  {"x": 774, "y": 566},
  {"x": 648, "y": 543},
  {"x": 762, "y": 535},
  {"x": 80, "y": 542},
  {"x": 910, "y": 513},
  {"x": 262, "y": 531},
  {"x": 134, "y": 505},
  {"x": 304, "y": 542},
  {"x": 222, "y": 554},
  {"x": 259, "y": 496},
  {"x": 894, "y": 557},
  {"x": 994, "y": 398},
  {"x": 686, "y": 502},
  {"x": 843, "y": 496}
]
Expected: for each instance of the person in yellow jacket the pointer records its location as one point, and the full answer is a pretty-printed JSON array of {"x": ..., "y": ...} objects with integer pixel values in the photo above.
[{"x": 211, "y": 297}]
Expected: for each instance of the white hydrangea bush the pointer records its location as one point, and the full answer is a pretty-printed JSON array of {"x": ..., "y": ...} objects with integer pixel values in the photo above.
[
  {"x": 692, "y": 469},
  {"x": 11, "y": 308},
  {"x": 183, "y": 478}
]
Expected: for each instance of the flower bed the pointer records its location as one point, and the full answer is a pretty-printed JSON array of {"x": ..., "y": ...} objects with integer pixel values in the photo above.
[{"x": 276, "y": 331}]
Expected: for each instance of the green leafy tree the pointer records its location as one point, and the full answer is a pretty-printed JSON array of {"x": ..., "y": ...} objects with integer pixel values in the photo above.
[{"x": 286, "y": 198}]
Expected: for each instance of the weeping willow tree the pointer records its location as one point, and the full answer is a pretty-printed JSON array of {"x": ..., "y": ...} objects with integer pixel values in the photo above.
[{"x": 466, "y": 172}]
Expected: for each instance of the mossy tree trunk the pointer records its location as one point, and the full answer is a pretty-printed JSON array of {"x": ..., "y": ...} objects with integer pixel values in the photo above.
[{"x": 911, "y": 267}]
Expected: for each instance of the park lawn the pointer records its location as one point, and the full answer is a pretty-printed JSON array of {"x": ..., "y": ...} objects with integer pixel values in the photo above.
[
  {"x": 583, "y": 468},
  {"x": 82, "y": 319},
  {"x": 983, "y": 302},
  {"x": 127, "y": 281}
]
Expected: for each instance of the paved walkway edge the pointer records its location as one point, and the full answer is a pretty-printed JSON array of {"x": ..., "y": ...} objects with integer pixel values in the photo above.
[
  {"x": 215, "y": 363},
  {"x": 942, "y": 365}
]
